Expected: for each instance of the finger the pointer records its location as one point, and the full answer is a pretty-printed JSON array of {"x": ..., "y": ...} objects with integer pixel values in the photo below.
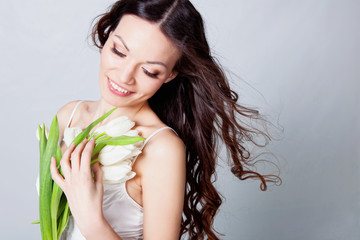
[
  {"x": 76, "y": 156},
  {"x": 55, "y": 175},
  {"x": 65, "y": 161},
  {"x": 86, "y": 157},
  {"x": 98, "y": 175}
]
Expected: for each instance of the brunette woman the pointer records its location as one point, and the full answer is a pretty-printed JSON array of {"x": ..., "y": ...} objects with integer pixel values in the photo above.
[{"x": 157, "y": 68}]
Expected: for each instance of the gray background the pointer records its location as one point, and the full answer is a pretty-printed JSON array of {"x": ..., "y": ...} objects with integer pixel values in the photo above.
[{"x": 297, "y": 61}]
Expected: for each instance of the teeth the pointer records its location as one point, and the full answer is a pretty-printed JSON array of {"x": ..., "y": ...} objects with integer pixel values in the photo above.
[{"x": 118, "y": 88}]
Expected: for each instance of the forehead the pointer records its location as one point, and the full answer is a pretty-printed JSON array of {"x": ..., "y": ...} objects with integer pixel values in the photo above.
[{"x": 146, "y": 39}]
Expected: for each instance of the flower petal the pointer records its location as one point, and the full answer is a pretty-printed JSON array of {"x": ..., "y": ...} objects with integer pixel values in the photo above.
[
  {"x": 119, "y": 172},
  {"x": 113, "y": 154},
  {"x": 132, "y": 133},
  {"x": 118, "y": 126},
  {"x": 100, "y": 129},
  {"x": 70, "y": 134},
  {"x": 47, "y": 130}
]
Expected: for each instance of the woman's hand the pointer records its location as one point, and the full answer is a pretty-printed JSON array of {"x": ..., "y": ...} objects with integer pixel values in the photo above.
[{"x": 83, "y": 192}]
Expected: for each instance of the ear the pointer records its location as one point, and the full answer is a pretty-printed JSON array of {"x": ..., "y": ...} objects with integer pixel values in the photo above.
[{"x": 172, "y": 75}]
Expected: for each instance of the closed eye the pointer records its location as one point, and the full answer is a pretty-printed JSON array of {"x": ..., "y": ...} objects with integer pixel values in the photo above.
[
  {"x": 152, "y": 75},
  {"x": 117, "y": 52}
]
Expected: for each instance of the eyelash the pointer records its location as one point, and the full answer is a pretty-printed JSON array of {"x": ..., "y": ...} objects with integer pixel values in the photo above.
[
  {"x": 117, "y": 52},
  {"x": 120, "y": 54},
  {"x": 152, "y": 75}
]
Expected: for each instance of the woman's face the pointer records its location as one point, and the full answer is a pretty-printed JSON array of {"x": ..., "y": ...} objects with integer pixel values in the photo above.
[{"x": 136, "y": 60}]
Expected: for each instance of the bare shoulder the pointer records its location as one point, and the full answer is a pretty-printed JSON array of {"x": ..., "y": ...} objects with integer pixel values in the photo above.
[
  {"x": 165, "y": 155},
  {"x": 64, "y": 113},
  {"x": 164, "y": 146},
  {"x": 164, "y": 139}
]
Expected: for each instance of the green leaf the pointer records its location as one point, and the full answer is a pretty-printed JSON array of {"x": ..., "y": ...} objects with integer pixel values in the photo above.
[
  {"x": 95, "y": 160},
  {"x": 99, "y": 136},
  {"x": 79, "y": 138},
  {"x": 123, "y": 140},
  {"x": 45, "y": 178},
  {"x": 64, "y": 219},
  {"x": 36, "y": 222},
  {"x": 94, "y": 134},
  {"x": 54, "y": 206},
  {"x": 98, "y": 147},
  {"x": 61, "y": 208},
  {"x": 58, "y": 156},
  {"x": 55, "y": 199},
  {"x": 42, "y": 139},
  {"x": 102, "y": 139}
]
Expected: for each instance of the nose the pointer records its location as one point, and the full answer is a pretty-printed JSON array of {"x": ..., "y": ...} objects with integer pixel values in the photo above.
[{"x": 126, "y": 73}]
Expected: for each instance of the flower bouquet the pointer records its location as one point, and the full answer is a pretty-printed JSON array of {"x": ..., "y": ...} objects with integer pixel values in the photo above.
[{"x": 116, "y": 147}]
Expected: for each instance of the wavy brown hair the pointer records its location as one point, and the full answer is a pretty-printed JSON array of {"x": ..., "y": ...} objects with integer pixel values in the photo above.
[{"x": 198, "y": 104}]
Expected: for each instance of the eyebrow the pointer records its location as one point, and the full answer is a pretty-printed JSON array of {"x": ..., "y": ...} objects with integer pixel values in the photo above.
[
  {"x": 155, "y": 62},
  {"x": 150, "y": 62},
  {"x": 122, "y": 42}
]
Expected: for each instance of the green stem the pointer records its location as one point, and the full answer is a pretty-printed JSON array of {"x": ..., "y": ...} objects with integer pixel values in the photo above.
[{"x": 94, "y": 161}]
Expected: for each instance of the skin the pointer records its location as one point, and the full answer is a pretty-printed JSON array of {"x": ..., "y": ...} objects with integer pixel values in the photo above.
[{"x": 159, "y": 185}]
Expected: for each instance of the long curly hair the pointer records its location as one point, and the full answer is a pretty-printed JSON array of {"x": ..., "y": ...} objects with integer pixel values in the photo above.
[{"x": 198, "y": 104}]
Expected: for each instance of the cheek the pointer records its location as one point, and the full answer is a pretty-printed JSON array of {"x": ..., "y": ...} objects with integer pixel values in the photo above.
[
  {"x": 151, "y": 86},
  {"x": 104, "y": 60},
  {"x": 107, "y": 57}
]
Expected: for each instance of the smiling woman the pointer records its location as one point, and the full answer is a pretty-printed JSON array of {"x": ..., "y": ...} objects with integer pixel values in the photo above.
[
  {"x": 134, "y": 64},
  {"x": 156, "y": 68}
]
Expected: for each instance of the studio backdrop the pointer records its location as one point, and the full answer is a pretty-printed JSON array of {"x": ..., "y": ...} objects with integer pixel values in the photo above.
[{"x": 297, "y": 62}]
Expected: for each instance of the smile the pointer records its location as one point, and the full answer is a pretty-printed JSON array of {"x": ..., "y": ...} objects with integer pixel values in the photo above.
[{"x": 116, "y": 89}]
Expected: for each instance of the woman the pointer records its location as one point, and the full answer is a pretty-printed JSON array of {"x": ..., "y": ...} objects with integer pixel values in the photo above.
[{"x": 156, "y": 68}]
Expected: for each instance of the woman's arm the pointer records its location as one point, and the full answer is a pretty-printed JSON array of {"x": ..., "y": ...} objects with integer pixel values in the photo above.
[{"x": 163, "y": 185}]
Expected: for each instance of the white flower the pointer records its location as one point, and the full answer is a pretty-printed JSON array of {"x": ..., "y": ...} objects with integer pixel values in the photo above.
[
  {"x": 70, "y": 134},
  {"x": 134, "y": 133},
  {"x": 117, "y": 161},
  {"x": 119, "y": 172},
  {"x": 117, "y": 127},
  {"x": 46, "y": 133},
  {"x": 110, "y": 155}
]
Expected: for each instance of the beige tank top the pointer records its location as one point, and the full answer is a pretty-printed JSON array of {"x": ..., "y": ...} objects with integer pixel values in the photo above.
[{"x": 123, "y": 214}]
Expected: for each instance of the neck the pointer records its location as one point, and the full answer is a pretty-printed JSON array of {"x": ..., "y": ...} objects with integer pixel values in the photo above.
[{"x": 132, "y": 112}]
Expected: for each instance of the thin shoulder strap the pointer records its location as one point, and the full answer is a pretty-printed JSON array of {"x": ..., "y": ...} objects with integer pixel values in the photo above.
[
  {"x": 156, "y": 132},
  {"x": 153, "y": 134},
  {"x": 73, "y": 112}
]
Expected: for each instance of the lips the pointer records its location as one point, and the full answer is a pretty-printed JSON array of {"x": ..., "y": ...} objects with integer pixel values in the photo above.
[{"x": 117, "y": 90}]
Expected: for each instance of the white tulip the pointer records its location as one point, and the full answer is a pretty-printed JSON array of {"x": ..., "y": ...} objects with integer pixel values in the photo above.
[
  {"x": 135, "y": 133},
  {"x": 119, "y": 172},
  {"x": 100, "y": 129},
  {"x": 114, "y": 154},
  {"x": 47, "y": 130},
  {"x": 70, "y": 134},
  {"x": 116, "y": 161},
  {"x": 132, "y": 133},
  {"x": 118, "y": 126}
]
